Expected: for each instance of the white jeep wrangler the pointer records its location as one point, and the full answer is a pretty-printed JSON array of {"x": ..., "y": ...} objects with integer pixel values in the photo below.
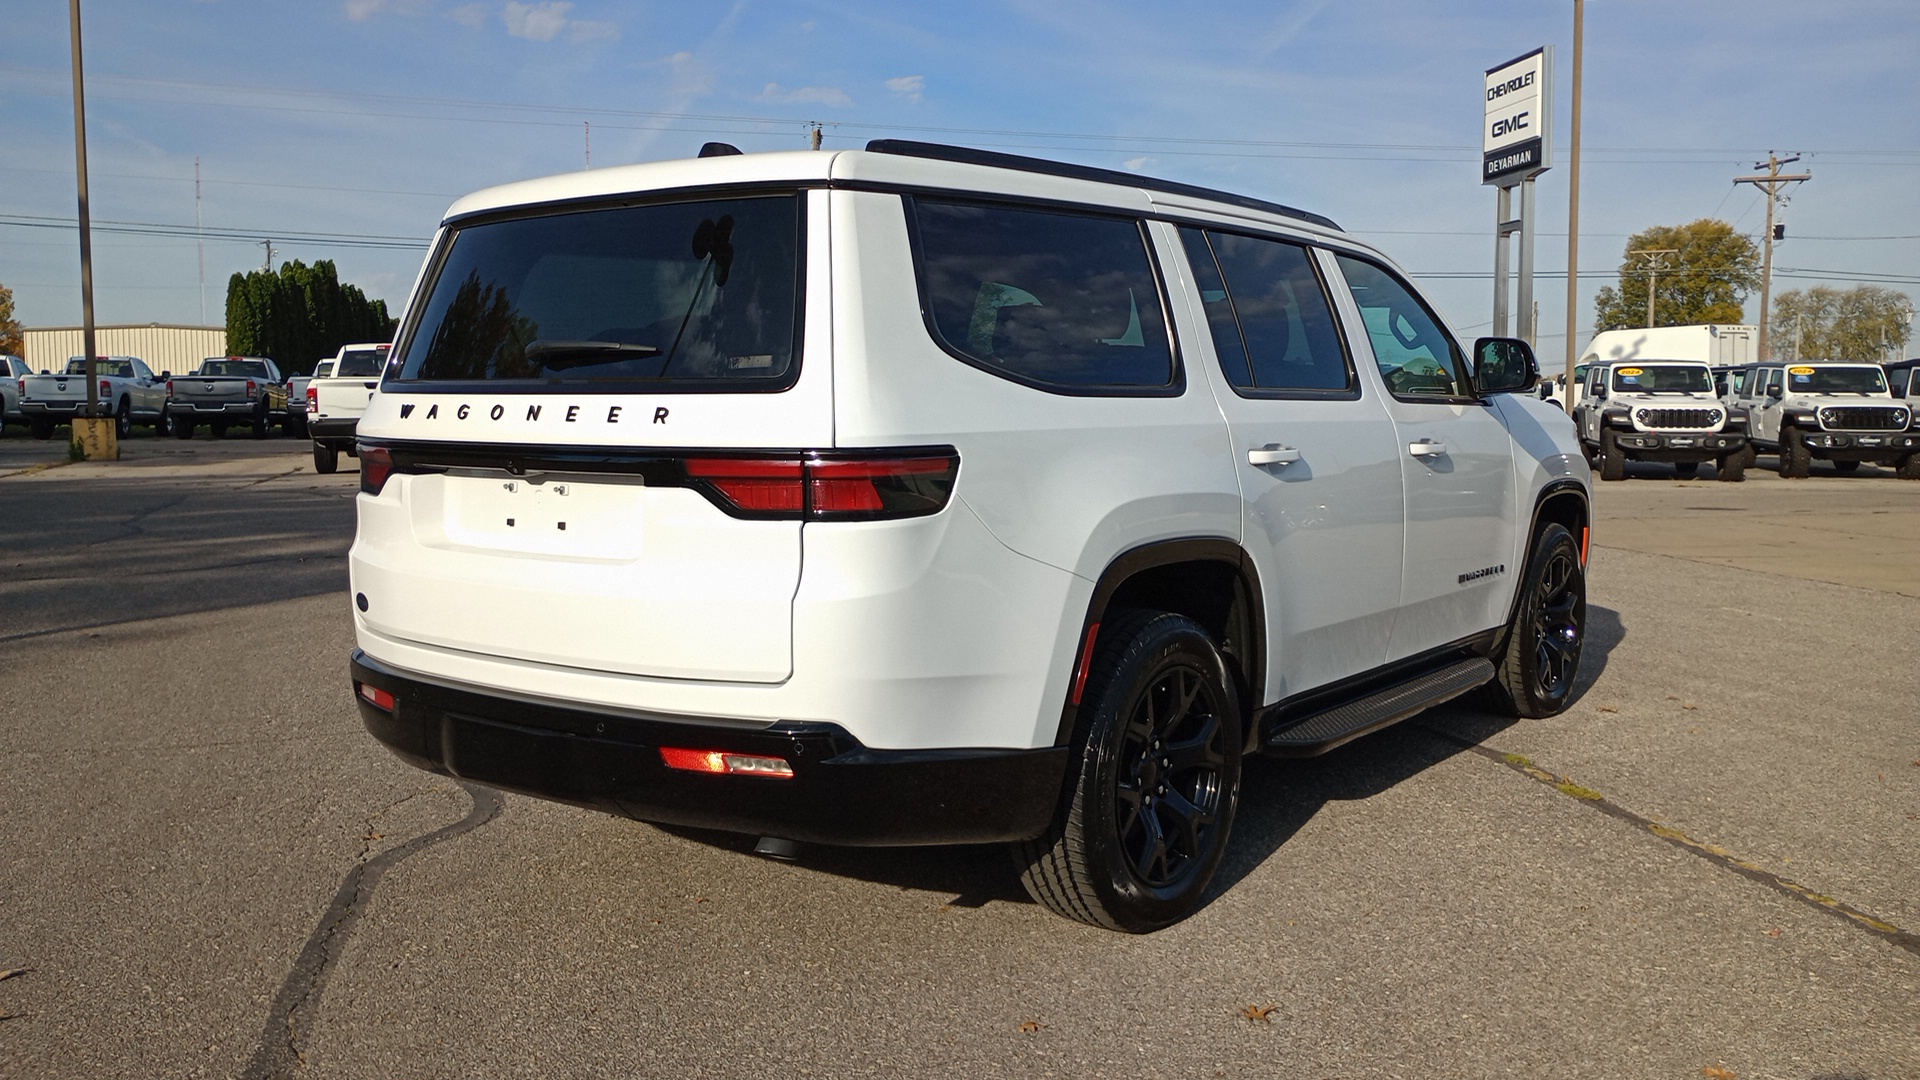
[
  {"x": 1840, "y": 413},
  {"x": 1659, "y": 410},
  {"x": 921, "y": 495}
]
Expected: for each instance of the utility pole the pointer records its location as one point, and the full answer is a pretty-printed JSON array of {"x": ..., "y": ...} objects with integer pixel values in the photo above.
[
  {"x": 1573, "y": 208},
  {"x": 86, "y": 216},
  {"x": 268, "y": 268},
  {"x": 1655, "y": 262},
  {"x": 586, "y": 134},
  {"x": 1772, "y": 183},
  {"x": 815, "y": 137},
  {"x": 199, "y": 242}
]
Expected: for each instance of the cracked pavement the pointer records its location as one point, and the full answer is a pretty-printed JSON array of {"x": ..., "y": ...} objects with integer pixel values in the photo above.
[{"x": 208, "y": 869}]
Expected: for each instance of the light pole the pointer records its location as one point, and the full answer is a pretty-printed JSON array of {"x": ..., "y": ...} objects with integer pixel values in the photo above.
[{"x": 1573, "y": 204}]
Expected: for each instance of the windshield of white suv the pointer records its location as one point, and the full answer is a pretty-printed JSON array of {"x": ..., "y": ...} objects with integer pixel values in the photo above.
[
  {"x": 1834, "y": 379},
  {"x": 1662, "y": 379},
  {"x": 668, "y": 293},
  {"x": 360, "y": 363}
]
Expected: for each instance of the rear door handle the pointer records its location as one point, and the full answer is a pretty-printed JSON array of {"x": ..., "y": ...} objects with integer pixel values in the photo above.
[
  {"x": 1427, "y": 448},
  {"x": 1273, "y": 454}
]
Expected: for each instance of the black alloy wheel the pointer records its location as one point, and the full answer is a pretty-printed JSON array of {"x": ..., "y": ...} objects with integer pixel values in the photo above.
[
  {"x": 1539, "y": 660},
  {"x": 1155, "y": 782}
]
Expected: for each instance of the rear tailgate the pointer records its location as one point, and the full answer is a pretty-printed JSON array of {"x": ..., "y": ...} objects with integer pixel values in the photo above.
[
  {"x": 341, "y": 399},
  {"x": 62, "y": 389},
  {"x": 193, "y": 391},
  {"x": 551, "y": 520}
]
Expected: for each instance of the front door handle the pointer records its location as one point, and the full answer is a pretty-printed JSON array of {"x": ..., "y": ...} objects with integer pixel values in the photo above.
[
  {"x": 1427, "y": 448},
  {"x": 1273, "y": 454}
]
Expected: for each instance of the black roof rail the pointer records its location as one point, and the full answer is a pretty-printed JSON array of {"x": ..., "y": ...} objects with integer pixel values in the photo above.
[{"x": 968, "y": 156}]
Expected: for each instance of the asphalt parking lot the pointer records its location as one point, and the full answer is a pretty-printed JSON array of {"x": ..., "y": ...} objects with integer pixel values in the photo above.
[{"x": 210, "y": 870}]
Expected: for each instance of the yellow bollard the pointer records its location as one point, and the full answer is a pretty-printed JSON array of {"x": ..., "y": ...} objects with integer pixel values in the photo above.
[{"x": 95, "y": 438}]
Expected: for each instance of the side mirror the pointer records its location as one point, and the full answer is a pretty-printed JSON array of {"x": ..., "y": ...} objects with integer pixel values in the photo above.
[
  {"x": 1504, "y": 366},
  {"x": 1775, "y": 392}
]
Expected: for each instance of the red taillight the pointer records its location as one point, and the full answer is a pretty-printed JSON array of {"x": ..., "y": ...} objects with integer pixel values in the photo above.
[
  {"x": 106, "y": 388},
  {"x": 169, "y": 389},
  {"x": 313, "y": 398},
  {"x": 721, "y": 762},
  {"x": 253, "y": 388},
  {"x": 376, "y": 697},
  {"x": 830, "y": 486},
  {"x": 376, "y": 464}
]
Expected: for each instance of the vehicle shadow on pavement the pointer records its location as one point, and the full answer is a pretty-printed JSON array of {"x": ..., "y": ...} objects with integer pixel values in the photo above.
[{"x": 1278, "y": 798}]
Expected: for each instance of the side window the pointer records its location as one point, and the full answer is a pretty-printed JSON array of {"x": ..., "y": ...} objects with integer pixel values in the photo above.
[
  {"x": 140, "y": 369},
  {"x": 1272, "y": 323},
  {"x": 1738, "y": 380},
  {"x": 1056, "y": 300},
  {"x": 1417, "y": 358}
]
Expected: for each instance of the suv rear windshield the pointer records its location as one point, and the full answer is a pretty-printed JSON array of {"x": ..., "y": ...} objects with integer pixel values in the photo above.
[
  {"x": 1820, "y": 379},
  {"x": 1662, "y": 379},
  {"x": 361, "y": 363},
  {"x": 700, "y": 295}
]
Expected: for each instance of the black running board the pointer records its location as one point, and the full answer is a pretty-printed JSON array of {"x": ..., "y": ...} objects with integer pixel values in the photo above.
[{"x": 1343, "y": 723}]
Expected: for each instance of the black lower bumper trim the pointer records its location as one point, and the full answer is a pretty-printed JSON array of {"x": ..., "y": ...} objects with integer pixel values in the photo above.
[
  {"x": 841, "y": 792},
  {"x": 333, "y": 429}
]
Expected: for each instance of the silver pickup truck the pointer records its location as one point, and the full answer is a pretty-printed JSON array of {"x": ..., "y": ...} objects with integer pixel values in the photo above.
[
  {"x": 129, "y": 392},
  {"x": 229, "y": 391}
]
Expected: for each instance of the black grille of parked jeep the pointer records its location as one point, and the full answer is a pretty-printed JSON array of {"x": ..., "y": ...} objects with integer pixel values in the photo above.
[
  {"x": 1863, "y": 418},
  {"x": 1678, "y": 418}
]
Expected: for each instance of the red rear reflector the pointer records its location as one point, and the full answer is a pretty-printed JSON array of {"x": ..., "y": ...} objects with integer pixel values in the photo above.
[
  {"x": 722, "y": 763},
  {"x": 376, "y": 464},
  {"x": 1586, "y": 542},
  {"x": 1086, "y": 662},
  {"x": 377, "y": 697}
]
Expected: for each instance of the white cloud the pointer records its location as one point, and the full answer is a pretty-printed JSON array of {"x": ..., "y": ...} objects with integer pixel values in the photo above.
[
  {"x": 1136, "y": 164},
  {"x": 910, "y": 87},
  {"x": 805, "y": 95},
  {"x": 471, "y": 16},
  {"x": 537, "y": 22},
  {"x": 362, "y": 10}
]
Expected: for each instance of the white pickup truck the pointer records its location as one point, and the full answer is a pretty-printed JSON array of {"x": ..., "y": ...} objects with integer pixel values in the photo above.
[
  {"x": 337, "y": 395},
  {"x": 129, "y": 392}
]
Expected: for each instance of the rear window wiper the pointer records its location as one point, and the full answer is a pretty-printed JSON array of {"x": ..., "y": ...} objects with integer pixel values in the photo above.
[{"x": 561, "y": 355}]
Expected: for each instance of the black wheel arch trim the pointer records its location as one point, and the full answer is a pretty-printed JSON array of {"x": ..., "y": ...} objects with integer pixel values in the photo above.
[
  {"x": 1247, "y": 658},
  {"x": 1550, "y": 492}
]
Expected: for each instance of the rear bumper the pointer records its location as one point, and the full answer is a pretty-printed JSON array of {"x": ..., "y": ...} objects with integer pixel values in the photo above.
[
  {"x": 59, "y": 410},
  {"x": 321, "y": 427},
  {"x": 218, "y": 410},
  {"x": 840, "y": 793}
]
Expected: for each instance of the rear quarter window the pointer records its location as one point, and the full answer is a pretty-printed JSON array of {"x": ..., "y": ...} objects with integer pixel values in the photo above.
[
  {"x": 698, "y": 295},
  {"x": 1062, "y": 301}
]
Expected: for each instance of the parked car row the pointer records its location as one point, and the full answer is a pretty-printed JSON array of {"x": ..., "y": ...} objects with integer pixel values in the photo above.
[
  {"x": 1684, "y": 412},
  {"x": 224, "y": 392}
]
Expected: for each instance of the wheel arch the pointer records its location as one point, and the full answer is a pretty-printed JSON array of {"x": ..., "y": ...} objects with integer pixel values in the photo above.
[
  {"x": 1207, "y": 579},
  {"x": 1562, "y": 502}
]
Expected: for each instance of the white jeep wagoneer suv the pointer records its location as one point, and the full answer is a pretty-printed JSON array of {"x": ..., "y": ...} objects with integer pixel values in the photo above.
[{"x": 922, "y": 495}]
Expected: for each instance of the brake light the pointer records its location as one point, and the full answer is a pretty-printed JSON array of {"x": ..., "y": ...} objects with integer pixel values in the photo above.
[
  {"x": 252, "y": 388},
  {"x": 313, "y": 398},
  {"x": 821, "y": 486},
  {"x": 721, "y": 762},
  {"x": 376, "y": 464},
  {"x": 106, "y": 388},
  {"x": 376, "y": 697},
  {"x": 169, "y": 389}
]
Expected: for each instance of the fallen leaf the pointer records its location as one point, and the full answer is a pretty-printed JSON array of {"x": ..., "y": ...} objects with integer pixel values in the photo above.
[
  {"x": 1688, "y": 705},
  {"x": 1608, "y": 708},
  {"x": 1262, "y": 1013},
  {"x": 1775, "y": 932},
  {"x": 1031, "y": 1027},
  {"x": 1715, "y": 1072},
  {"x": 11, "y": 972}
]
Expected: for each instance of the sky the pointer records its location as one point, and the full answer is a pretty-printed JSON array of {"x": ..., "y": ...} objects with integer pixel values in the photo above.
[{"x": 342, "y": 129}]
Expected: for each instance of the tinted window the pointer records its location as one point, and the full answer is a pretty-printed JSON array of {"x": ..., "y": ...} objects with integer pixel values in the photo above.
[
  {"x": 1054, "y": 299},
  {"x": 1809, "y": 379},
  {"x": 1269, "y": 314},
  {"x": 363, "y": 362},
  {"x": 1417, "y": 358},
  {"x": 661, "y": 294},
  {"x": 252, "y": 369}
]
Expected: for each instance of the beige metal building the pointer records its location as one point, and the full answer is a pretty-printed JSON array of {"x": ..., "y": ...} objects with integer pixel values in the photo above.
[{"x": 176, "y": 349}]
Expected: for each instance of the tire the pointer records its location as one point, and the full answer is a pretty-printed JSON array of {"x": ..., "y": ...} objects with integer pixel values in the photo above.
[
  {"x": 1613, "y": 461},
  {"x": 1752, "y": 456},
  {"x": 40, "y": 429},
  {"x": 1732, "y": 469},
  {"x": 1539, "y": 657},
  {"x": 183, "y": 429},
  {"x": 1795, "y": 460},
  {"x": 219, "y": 429},
  {"x": 1134, "y": 847},
  {"x": 123, "y": 419},
  {"x": 1846, "y": 468},
  {"x": 163, "y": 425},
  {"x": 325, "y": 458},
  {"x": 1686, "y": 470},
  {"x": 262, "y": 422},
  {"x": 1908, "y": 467}
]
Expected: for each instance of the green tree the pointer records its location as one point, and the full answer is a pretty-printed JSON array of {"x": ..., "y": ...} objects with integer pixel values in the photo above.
[
  {"x": 1705, "y": 280},
  {"x": 300, "y": 315},
  {"x": 1866, "y": 322},
  {"x": 12, "y": 337}
]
